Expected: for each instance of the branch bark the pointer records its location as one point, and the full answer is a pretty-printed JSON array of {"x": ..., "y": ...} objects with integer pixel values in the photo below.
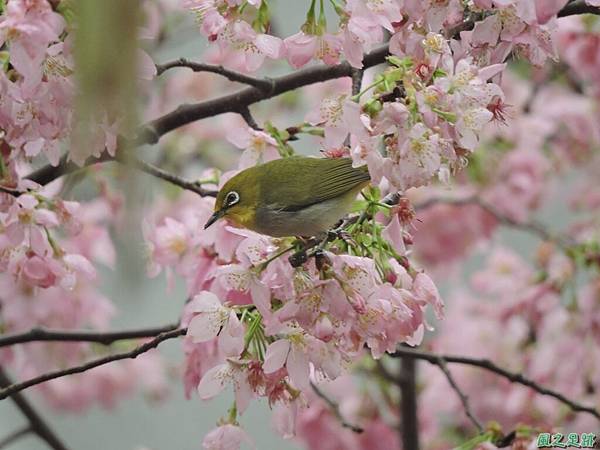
[
  {"x": 407, "y": 381},
  {"x": 151, "y": 132},
  {"x": 264, "y": 84},
  {"x": 486, "y": 364},
  {"x": 36, "y": 422},
  {"x": 578, "y": 7},
  {"x": 461, "y": 395},
  {"x": 104, "y": 338},
  {"x": 14, "y": 388}
]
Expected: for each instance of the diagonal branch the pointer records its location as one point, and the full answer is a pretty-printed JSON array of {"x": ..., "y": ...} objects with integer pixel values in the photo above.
[
  {"x": 533, "y": 227},
  {"x": 36, "y": 422},
  {"x": 15, "y": 435},
  {"x": 15, "y": 388},
  {"x": 151, "y": 132},
  {"x": 486, "y": 364},
  {"x": 104, "y": 338},
  {"x": 193, "y": 186},
  {"x": 441, "y": 363},
  {"x": 335, "y": 409},
  {"x": 47, "y": 174},
  {"x": 264, "y": 84}
]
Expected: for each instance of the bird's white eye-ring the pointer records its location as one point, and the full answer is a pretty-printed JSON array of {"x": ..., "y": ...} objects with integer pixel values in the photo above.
[{"x": 231, "y": 198}]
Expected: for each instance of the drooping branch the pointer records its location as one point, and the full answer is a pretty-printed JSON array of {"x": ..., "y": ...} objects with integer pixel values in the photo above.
[
  {"x": 515, "y": 377},
  {"x": 441, "y": 363},
  {"x": 264, "y": 84},
  {"x": 104, "y": 338},
  {"x": 15, "y": 388},
  {"x": 49, "y": 173},
  {"x": 335, "y": 409},
  {"x": 36, "y": 423},
  {"x": 176, "y": 180},
  {"x": 248, "y": 118}
]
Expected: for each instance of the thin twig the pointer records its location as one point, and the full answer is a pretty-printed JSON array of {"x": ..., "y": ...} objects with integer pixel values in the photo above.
[
  {"x": 441, "y": 363},
  {"x": 264, "y": 84},
  {"x": 247, "y": 116},
  {"x": 486, "y": 364},
  {"x": 335, "y": 409},
  {"x": 193, "y": 186},
  {"x": 532, "y": 226},
  {"x": 15, "y": 388},
  {"x": 15, "y": 435},
  {"x": 37, "y": 423},
  {"x": 104, "y": 338}
]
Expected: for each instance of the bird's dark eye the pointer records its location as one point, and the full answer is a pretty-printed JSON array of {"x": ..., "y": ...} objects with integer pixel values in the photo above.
[{"x": 231, "y": 198}]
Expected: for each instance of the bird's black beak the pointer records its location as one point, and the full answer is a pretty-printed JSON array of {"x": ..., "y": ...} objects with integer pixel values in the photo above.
[{"x": 216, "y": 216}]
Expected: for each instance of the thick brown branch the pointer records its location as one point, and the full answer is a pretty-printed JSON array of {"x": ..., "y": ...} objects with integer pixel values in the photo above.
[
  {"x": 151, "y": 132},
  {"x": 335, "y": 409},
  {"x": 36, "y": 422},
  {"x": 104, "y": 338},
  {"x": 407, "y": 381},
  {"x": 578, "y": 7},
  {"x": 246, "y": 97},
  {"x": 264, "y": 84},
  {"x": 14, "y": 389},
  {"x": 486, "y": 364}
]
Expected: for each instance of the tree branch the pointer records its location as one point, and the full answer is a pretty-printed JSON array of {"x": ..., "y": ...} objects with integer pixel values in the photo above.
[
  {"x": 36, "y": 422},
  {"x": 578, "y": 7},
  {"x": 104, "y": 338},
  {"x": 15, "y": 435},
  {"x": 335, "y": 409},
  {"x": 486, "y": 364},
  {"x": 193, "y": 186},
  {"x": 532, "y": 227},
  {"x": 407, "y": 381},
  {"x": 247, "y": 116},
  {"x": 151, "y": 132},
  {"x": 14, "y": 389},
  {"x": 441, "y": 363},
  {"x": 264, "y": 84}
]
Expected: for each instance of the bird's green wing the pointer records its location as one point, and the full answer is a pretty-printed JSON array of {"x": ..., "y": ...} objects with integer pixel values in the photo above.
[{"x": 296, "y": 183}]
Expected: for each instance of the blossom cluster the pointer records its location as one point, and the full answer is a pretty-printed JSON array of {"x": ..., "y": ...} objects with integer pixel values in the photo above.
[
  {"x": 265, "y": 327},
  {"x": 240, "y": 30}
]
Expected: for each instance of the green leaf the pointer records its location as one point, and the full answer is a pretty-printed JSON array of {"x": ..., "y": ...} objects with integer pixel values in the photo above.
[{"x": 402, "y": 63}]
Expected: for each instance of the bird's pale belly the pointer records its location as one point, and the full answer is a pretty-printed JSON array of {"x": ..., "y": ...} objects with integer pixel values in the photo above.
[{"x": 308, "y": 221}]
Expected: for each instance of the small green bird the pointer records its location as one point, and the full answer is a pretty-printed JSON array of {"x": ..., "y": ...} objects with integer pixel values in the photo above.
[{"x": 295, "y": 196}]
